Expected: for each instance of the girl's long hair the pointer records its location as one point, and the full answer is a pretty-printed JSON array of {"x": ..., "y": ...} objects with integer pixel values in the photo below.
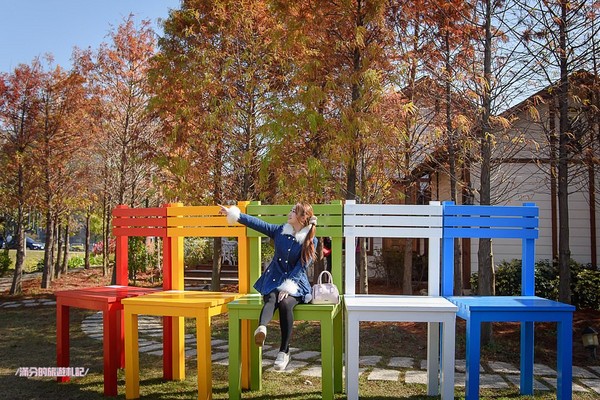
[{"x": 305, "y": 211}]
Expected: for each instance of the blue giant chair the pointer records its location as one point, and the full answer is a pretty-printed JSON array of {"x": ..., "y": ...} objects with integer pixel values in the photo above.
[{"x": 505, "y": 222}]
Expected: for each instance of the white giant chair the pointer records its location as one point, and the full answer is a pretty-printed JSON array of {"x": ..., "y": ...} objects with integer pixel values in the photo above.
[{"x": 400, "y": 221}]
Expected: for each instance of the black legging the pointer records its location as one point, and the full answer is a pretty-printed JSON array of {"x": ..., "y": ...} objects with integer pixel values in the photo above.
[{"x": 286, "y": 316}]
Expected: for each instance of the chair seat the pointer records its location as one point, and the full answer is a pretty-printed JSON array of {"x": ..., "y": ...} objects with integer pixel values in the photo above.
[
  {"x": 180, "y": 298},
  {"x": 510, "y": 308},
  {"x": 398, "y": 304},
  {"x": 101, "y": 294}
]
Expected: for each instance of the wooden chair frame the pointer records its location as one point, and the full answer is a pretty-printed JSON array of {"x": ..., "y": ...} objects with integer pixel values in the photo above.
[
  {"x": 148, "y": 222},
  {"x": 506, "y": 222},
  {"x": 248, "y": 308},
  {"x": 400, "y": 221},
  {"x": 200, "y": 221}
]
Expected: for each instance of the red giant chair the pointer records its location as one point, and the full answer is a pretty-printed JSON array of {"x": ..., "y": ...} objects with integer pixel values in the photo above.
[{"x": 145, "y": 222}]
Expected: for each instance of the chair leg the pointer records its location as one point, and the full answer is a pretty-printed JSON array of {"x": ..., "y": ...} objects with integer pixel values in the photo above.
[
  {"x": 527, "y": 358},
  {"x": 62, "y": 339},
  {"x": 235, "y": 382},
  {"x": 203, "y": 355},
  {"x": 327, "y": 358},
  {"x": 473, "y": 356},
  {"x": 338, "y": 362},
  {"x": 433, "y": 358},
  {"x": 564, "y": 379},
  {"x": 132, "y": 356},
  {"x": 352, "y": 353},
  {"x": 448, "y": 346},
  {"x": 111, "y": 350}
]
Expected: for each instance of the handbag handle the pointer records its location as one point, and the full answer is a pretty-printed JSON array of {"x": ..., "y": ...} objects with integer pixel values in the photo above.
[{"x": 320, "y": 280}]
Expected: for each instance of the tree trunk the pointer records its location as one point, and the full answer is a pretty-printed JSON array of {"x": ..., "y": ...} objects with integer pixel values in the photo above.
[
  {"x": 363, "y": 266},
  {"x": 564, "y": 249},
  {"x": 215, "y": 282},
  {"x": 16, "y": 286},
  {"x": 59, "y": 250},
  {"x": 485, "y": 258},
  {"x": 88, "y": 216},
  {"x": 48, "y": 253},
  {"x": 65, "y": 261}
]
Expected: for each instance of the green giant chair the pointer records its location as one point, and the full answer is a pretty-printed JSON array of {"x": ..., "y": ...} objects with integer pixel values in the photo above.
[{"x": 248, "y": 307}]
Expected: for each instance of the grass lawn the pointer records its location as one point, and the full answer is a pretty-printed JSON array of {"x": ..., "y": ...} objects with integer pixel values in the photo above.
[
  {"x": 33, "y": 257},
  {"x": 28, "y": 339}
]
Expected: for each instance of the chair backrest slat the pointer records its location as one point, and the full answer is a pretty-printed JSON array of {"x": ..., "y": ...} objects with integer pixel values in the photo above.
[
  {"x": 493, "y": 222},
  {"x": 204, "y": 221},
  {"x": 393, "y": 221},
  {"x": 126, "y": 222},
  {"x": 329, "y": 225}
]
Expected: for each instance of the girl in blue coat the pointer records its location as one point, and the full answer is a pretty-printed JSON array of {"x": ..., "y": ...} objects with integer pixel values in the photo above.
[{"x": 285, "y": 281}]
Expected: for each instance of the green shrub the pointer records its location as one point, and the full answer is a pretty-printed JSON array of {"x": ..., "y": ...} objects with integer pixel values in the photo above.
[
  {"x": 76, "y": 262},
  {"x": 5, "y": 262},
  {"x": 196, "y": 252},
  {"x": 139, "y": 256},
  {"x": 587, "y": 288}
]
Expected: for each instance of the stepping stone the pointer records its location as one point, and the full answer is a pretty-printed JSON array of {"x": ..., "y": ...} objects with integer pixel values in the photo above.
[
  {"x": 151, "y": 347},
  {"x": 593, "y": 384},
  {"x": 537, "y": 385},
  {"x": 503, "y": 367},
  {"x": 307, "y": 355},
  {"x": 488, "y": 381},
  {"x": 219, "y": 356},
  {"x": 222, "y": 348},
  {"x": 12, "y": 306},
  {"x": 580, "y": 372},
  {"x": 402, "y": 362},
  {"x": 459, "y": 365},
  {"x": 541, "y": 369},
  {"x": 596, "y": 369},
  {"x": 158, "y": 353},
  {"x": 379, "y": 374},
  {"x": 291, "y": 367},
  {"x": 419, "y": 377},
  {"x": 369, "y": 361},
  {"x": 314, "y": 371},
  {"x": 576, "y": 387},
  {"x": 217, "y": 342},
  {"x": 492, "y": 381},
  {"x": 190, "y": 352}
]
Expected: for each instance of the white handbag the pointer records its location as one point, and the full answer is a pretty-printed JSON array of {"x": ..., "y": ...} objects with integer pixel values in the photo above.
[{"x": 325, "y": 293}]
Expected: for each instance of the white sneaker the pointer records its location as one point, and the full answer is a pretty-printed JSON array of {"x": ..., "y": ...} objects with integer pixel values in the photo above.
[
  {"x": 259, "y": 335},
  {"x": 281, "y": 361}
]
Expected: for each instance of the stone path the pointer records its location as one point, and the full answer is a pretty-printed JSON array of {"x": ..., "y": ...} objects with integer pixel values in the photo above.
[{"x": 494, "y": 374}]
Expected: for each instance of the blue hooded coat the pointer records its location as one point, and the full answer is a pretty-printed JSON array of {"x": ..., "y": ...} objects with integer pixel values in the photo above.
[{"x": 286, "y": 270}]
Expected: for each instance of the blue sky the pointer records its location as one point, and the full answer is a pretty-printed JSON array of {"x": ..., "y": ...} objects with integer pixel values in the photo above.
[{"x": 31, "y": 28}]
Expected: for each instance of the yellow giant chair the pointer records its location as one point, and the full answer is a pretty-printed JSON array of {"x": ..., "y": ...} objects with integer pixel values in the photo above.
[
  {"x": 248, "y": 307},
  {"x": 199, "y": 221}
]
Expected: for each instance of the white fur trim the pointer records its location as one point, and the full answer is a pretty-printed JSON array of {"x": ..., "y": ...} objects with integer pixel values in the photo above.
[
  {"x": 300, "y": 236},
  {"x": 233, "y": 214},
  {"x": 289, "y": 286}
]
